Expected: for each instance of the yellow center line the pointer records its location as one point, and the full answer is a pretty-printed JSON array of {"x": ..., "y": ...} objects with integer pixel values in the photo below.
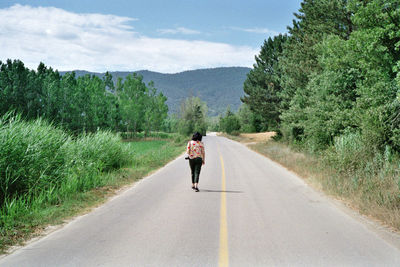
[{"x": 223, "y": 234}]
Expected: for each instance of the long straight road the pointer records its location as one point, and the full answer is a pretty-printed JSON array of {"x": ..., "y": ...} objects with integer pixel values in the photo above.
[{"x": 249, "y": 212}]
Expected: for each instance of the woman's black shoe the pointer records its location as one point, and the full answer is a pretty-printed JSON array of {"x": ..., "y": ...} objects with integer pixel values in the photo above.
[
  {"x": 193, "y": 187},
  {"x": 196, "y": 189}
]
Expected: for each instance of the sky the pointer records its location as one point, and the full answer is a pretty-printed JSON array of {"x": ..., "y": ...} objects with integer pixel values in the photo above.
[{"x": 166, "y": 36}]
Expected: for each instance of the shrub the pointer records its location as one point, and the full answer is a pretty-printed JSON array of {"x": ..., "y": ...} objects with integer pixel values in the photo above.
[{"x": 229, "y": 123}]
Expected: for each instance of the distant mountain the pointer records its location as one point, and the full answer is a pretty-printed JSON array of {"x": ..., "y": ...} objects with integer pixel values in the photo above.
[{"x": 218, "y": 87}]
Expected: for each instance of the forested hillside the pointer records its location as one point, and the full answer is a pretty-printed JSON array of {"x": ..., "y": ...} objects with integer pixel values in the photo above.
[{"x": 219, "y": 87}]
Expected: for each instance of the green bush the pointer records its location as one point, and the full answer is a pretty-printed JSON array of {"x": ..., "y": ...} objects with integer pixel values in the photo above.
[
  {"x": 230, "y": 123},
  {"x": 278, "y": 136}
]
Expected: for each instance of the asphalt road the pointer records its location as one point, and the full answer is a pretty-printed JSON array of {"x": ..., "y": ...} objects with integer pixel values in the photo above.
[{"x": 249, "y": 212}]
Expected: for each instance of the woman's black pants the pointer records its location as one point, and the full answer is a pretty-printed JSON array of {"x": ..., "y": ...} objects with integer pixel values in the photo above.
[{"x": 195, "y": 167}]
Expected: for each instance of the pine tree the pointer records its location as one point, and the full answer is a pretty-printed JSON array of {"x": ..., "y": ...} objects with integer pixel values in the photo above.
[{"x": 262, "y": 85}]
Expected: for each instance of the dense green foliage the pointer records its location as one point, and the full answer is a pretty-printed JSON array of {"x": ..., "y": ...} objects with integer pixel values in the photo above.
[
  {"x": 244, "y": 120},
  {"x": 84, "y": 103},
  {"x": 247, "y": 119},
  {"x": 218, "y": 87},
  {"x": 229, "y": 123},
  {"x": 335, "y": 74},
  {"x": 193, "y": 116}
]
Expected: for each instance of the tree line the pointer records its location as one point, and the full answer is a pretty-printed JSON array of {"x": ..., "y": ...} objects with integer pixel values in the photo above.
[
  {"x": 335, "y": 74},
  {"x": 81, "y": 104}
]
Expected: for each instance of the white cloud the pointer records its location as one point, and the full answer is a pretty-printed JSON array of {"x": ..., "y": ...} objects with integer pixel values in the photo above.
[
  {"x": 257, "y": 30},
  {"x": 97, "y": 42},
  {"x": 178, "y": 30}
]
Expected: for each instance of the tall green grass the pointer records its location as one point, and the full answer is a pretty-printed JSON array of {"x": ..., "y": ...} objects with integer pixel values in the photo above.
[
  {"x": 35, "y": 156},
  {"x": 30, "y": 156}
]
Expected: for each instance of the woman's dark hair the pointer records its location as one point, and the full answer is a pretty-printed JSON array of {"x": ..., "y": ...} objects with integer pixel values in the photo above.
[{"x": 197, "y": 136}]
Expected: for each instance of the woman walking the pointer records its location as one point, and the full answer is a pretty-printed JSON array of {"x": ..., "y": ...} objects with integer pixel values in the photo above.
[{"x": 195, "y": 150}]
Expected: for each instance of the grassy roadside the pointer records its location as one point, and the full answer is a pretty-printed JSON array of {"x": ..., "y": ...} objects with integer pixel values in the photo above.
[
  {"x": 24, "y": 219},
  {"x": 373, "y": 188}
]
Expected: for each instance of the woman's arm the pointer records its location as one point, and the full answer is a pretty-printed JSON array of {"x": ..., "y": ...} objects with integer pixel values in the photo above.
[
  {"x": 203, "y": 154},
  {"x": 188, "y": 148}
]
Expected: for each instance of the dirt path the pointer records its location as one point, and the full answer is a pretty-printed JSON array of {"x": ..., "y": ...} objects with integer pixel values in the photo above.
[{"x": 258, "y": 137}]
